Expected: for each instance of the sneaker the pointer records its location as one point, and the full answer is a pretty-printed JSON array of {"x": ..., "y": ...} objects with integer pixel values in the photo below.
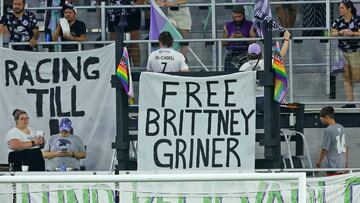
[{"x": 349, "y": 106}]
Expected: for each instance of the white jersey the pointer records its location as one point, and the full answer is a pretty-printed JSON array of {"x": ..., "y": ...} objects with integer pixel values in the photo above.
[
  {"x": 166, "y": 60},
  {"x": 250, "y": 66}
]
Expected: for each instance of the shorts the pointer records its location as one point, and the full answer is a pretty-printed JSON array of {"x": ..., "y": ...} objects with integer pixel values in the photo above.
[
  {"x": 353, "y": 60},
  {"x": 180, "y": 18},
  {"x": 133, "y": 20}
]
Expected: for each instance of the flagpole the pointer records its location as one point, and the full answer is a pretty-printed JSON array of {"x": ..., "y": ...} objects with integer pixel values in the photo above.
[
  {"x": 121, "y": 144},
  {"x": 272, "y": 152}
]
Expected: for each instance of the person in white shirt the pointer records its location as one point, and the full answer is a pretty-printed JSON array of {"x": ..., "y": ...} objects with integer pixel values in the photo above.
[
  {"x": 256, "y": 63},
  {"x": 166, "y": 59},
  {"x": 24, "y": 145}
]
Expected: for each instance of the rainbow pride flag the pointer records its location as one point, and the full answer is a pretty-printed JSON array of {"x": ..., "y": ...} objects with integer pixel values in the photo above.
[
  {"x": 281, "y": 83},
  {"x": 123, "y": 72}
]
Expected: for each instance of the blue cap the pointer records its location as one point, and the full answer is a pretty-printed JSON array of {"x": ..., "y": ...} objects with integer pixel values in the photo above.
[{"x": 65, "y": 125}]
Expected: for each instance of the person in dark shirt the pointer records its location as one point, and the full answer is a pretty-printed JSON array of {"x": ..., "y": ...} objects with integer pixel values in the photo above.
[
  {"x": 77, "y": 29},
  {"x": 22, "y": 26},
  {"x": 348, "y": 25},
  {"x": 239, "y": 27},
  {"x": 132, "y": 26}
]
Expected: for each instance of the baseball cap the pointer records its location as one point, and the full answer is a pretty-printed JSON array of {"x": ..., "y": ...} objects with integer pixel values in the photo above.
[
  {"x": 254, "y": 49},
  {"x": 69, "y": 6},
  {"x": 65, "y": 125},
  {"x": 238, "y": 9}
]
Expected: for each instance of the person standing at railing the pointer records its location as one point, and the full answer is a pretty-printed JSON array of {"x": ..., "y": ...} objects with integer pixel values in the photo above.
[
  {"x": 22, "y": 26},
  {"x": 239, "y": 27},
  {"x": 24, "y": 145},
  {"x": 166, "y": 59},
  {"x": 348, "y": 25},
  {"x": 180, "y": 17},
  {"x": 64, "y": 148},
  {"x": 286, "y": 14},
  {"x": 77, "y": 29},
  {"x": 133, "y": 25},
  {"x": 334, "y": 149}
]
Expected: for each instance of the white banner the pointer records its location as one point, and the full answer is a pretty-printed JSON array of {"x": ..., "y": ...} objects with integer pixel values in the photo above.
[
  {"x": 197, "y": 123},
  {"x": 50, "y": 86}
]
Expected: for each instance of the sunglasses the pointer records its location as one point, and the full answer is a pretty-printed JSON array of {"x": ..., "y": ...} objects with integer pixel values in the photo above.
[{"x": 24, "y": 119}]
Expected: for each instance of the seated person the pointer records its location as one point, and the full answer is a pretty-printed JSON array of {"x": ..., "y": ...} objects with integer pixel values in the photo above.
[
  {"x": 77, "y": 29},
  {"x": 23, "y": 144},
  {"x": 64, "y": 148},
  {"x": 239, "y": 27}
]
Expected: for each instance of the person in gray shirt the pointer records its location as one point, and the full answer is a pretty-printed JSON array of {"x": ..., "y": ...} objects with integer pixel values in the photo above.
[
  {"x": 333, "y": 149},
  {"x": 64, "y": 149}
]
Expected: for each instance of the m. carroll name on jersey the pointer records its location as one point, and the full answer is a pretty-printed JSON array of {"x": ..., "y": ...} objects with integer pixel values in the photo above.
[{"x": 168, "y": 58}]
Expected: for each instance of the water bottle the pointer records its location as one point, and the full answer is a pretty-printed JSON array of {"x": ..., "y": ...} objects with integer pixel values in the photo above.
[
  {"x": 62, "y": 167},
  {"x": 12, "y": 168}
]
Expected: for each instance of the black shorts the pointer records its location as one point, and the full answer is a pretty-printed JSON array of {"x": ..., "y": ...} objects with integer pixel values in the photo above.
[{"x": 133, "y": 19}]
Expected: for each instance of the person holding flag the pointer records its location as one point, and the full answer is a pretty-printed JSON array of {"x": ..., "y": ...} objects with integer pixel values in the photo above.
[
  {"x": 179, "y": 16},
  {"x": 256, "y": 63},
  {"x": 166, "y": 59}
]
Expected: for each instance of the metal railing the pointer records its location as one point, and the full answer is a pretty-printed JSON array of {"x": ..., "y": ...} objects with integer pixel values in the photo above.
[{"x": 300, "y": 177}]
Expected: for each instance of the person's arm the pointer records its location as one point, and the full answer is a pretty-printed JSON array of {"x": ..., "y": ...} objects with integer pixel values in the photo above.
[
  {"x": 3, "y": 25},
  {"x": 56, "y": 33},
  {"x": 81, "y": 38},
  {"x": 3, "y": 29},
  {"x": 285, "y": 46},
  {"x": 17, "y": 145},
  {"x": 50, "y": 155},
  {"x": 323, "y": 153},
  {"x": 79, "y": 155},
  {"x": 33, "y": 41},
  {"x": 252, "y": 32},
  {"x": 225, "y": 35},
  {"x": 334, "y": 32}
]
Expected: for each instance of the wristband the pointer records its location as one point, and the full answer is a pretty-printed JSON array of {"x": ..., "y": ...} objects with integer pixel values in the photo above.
[{"x": 33, "y": 143}]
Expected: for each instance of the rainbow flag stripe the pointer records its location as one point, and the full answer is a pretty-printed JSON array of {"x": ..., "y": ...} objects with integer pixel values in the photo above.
[{"x": 281, "y": 83}]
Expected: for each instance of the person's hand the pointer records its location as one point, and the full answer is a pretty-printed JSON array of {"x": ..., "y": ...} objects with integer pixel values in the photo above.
[
  {"x": 69, "y": 36},
  {"x": 3, "y": 29},
  {"x": 346, "y": 165},
  {"x": 38, "y": 141},
  {"x": 287, "y": 35},
  {"x": 237, "y": 35},
  {"x": 33, "y": 42},
  {"x": 346, "y": 33},
  {"x": 318, "y": 164}
]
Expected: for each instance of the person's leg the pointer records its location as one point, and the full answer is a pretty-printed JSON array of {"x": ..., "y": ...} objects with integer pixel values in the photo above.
[
  {"x": 355, "y": 67},
  {"x": 348, "y": 86},
  {"x": 184, "y": 34},
  {"x": 134, "y": 48},
  {"x": 282, "y": 15},
  {"x": 291, "y": 17}
]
